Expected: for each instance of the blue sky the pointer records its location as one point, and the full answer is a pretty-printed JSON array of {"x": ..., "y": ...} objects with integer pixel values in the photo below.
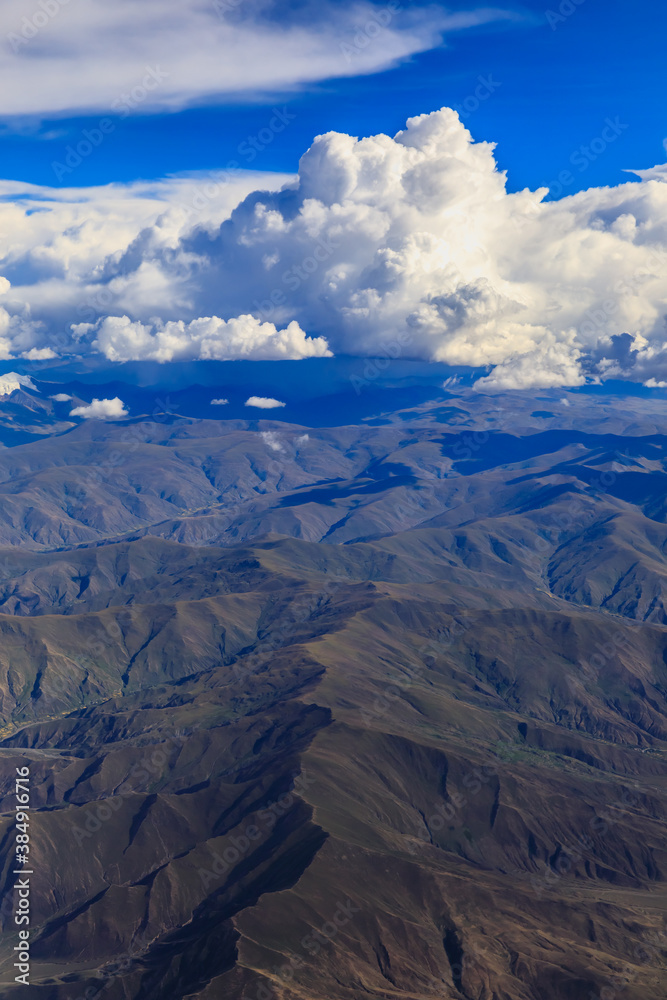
[{"x": 554, "y": 87}]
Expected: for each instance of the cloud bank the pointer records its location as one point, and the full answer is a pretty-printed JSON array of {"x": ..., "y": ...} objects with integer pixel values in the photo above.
[
  {"x": 208, "y": 338},
  {"x": 407, "y": 246}
]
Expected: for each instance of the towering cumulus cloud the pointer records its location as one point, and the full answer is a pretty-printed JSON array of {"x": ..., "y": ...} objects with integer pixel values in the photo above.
[{"x": 409, "y": 246}]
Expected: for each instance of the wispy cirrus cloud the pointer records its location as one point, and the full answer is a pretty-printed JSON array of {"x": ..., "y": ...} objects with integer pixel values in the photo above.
[{"x": 63, "y": 58}]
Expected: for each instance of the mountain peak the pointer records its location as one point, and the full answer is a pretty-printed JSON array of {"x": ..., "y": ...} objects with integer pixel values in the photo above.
[{"x": 12, "y": 381}]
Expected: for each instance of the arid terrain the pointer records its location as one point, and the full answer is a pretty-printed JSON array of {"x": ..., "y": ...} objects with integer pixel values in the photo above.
[{"x": 369, "y": 710}]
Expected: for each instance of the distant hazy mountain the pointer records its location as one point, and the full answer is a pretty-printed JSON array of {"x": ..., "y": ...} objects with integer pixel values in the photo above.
[{"x": 372, "y": 706}]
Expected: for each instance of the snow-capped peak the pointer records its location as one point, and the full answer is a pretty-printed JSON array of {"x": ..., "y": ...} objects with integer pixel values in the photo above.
[{"x": 10, "y": 382}]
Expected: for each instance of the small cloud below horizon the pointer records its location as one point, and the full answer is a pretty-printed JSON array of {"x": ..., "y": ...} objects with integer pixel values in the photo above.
[
  {"x": 272, "y": 440},
  {"x": 263, "y": 402},
  {"x": 101, "y": 409},
  {"x": 219, "y": 402},
  {"x": 61, "y": 397}
]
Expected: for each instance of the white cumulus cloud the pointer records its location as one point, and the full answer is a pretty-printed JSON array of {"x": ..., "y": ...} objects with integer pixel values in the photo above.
[
  {"x": 412, "y": 246},
  {"x": 61, "y": 397},
  {"x": 101, "y": 409},
  {"x": 58, "y": 244},
  {"x": 39, "y": 354},
  {"x": 263, "y": 402},
  {"x": 549, "y": 365},
  {"x": 219, "y": 402}
]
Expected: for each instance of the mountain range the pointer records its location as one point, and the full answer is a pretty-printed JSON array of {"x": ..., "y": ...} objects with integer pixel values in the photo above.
[{"x": 372, "y": 705}]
